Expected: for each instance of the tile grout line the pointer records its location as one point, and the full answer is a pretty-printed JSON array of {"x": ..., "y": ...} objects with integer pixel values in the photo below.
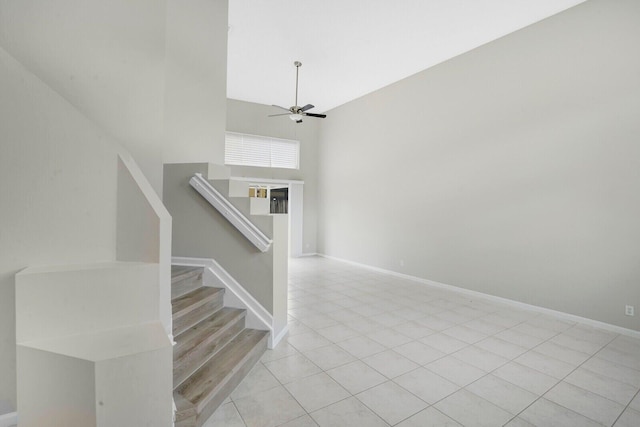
[
  {"x": 451, "y": 354},
  {"x": 627, "y": 407},
  {"x": 563, "y": 378},
  {"x": 294, "y": 398},
  {"x": 237, "y": 410},
  {"x": 377, "y": 290},
  {"x": 513, "y": 360}
]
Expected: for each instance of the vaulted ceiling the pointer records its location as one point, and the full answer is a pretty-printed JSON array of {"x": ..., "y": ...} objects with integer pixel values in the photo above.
[{"x": 349, "y": 48}]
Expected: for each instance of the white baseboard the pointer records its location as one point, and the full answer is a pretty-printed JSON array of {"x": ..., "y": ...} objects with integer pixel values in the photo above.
[
  {"x": 306, "y": 254},
  {"x": 9, "y": 420},
  {"x": 493, "y": 298},
  {"x": 237, "y": 296}
]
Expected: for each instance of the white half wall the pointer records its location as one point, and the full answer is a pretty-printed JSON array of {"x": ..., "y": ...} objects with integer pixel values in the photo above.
[
  {"x": 100, "y": 325},
  {"x": 143, "y": 230}
]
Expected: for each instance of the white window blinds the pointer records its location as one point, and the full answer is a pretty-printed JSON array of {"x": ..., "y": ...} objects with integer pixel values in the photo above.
[{"x": 262, "y": 151}]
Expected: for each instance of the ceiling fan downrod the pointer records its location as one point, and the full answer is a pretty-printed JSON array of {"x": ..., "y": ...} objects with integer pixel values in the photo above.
[{"x": 298, "y": 64}]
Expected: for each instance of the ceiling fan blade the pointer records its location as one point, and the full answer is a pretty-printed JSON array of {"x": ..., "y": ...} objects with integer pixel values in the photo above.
[
  {"x": 283, "y": 114},
  {"x": 307, "y": 107},
  {"x": 282, "y": 108},
  {"x": 322, "y": 116}
]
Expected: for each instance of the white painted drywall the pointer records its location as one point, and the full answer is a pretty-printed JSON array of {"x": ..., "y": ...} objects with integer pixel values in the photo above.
[
  {"x": 134, "y": 70},
  {"x": 76, "y": 406},
  {"x": 138, "y": 226},
  {"x": 151, "y": 73},
  {"x": 122, "y": 402},
  {"x": 200, "y": 231},
  {"x": 247, "y": 117},
  {"x": 296, "y": 220},
  {"x": 143, "y": 229},
  {"x": 196, "y": 81},
  {"x": 57, "y": 389},
  {"x": 512, "y": 170},
  {"x": 105, "y": 314},
  {"x": 82, "y": 299},
  {"x": 280, "y": 249},
  {"x": 57, "y": 192},
  {"x": 105, "y": 58}
]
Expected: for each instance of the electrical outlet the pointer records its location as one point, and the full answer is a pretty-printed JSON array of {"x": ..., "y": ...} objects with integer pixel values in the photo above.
[
  {"x": 401, "y": 263},
  {"x": 629, "y": 310}
]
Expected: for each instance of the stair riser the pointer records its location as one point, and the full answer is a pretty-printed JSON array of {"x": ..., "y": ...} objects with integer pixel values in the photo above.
[
  {"x": 194, "y": 359},
  {"x": 188, "y": 422},
  {"x": 185, "y": 321},
  {"x": 207, "y": 409},
  {"x": 179, "y": 273},
  {"x": 185, "y": 412},
  {"x": 185, "y": 284}
]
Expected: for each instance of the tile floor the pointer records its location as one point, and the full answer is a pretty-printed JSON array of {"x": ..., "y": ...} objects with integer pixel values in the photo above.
[{"x": 368, "y": 349}]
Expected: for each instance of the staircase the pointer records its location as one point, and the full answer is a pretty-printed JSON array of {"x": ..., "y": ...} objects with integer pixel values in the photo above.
[{"x": 213, "y": 352}]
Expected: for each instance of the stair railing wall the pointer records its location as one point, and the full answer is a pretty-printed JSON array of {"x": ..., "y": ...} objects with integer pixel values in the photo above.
[
  {"x": 230, "y": 212},
  {"x": 143, "y": 229},
  {"x": 203, "y": 233}
]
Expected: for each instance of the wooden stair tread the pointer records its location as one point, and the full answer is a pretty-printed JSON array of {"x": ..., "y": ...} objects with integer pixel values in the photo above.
[
  {"x": 209, "y": 327},
  {"x": 195, "y": 299},
  {"x": 198, "y": 388},
  {"x": 194, "y": 357},
  {"x": 213, "y": 350}
]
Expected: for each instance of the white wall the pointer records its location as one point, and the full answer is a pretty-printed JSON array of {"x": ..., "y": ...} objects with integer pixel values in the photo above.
[
  {"x": 144, "y": 73},
  {"x": 151, "y": 73},
  {"x": 200, "y": 231},
  {"x": 196, "y": 81},
  {"x": 105, "y": 58},
  {"x": 251, "y": 118},
  {"x": 512, "y": 170},
  {"x": 47, "y": 214}
]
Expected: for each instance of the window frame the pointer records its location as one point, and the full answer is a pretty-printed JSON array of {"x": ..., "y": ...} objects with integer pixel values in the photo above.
[{"x": 258, "y": 151}]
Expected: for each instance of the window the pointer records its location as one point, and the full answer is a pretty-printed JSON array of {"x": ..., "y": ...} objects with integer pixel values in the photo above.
[{"x": 261, "y": 151}]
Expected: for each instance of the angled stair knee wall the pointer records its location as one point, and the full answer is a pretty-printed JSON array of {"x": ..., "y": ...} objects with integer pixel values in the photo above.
[
  {"x": 236, "y": 296},
  {"x": 257, "y": 281},
  {"x": 91, "y": 349},
  {"x": 200, "y": 231},
  {"x": 143, "y": 230}
]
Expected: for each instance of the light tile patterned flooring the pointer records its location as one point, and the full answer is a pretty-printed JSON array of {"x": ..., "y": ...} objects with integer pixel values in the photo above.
[{"x": 369, "y": 349}]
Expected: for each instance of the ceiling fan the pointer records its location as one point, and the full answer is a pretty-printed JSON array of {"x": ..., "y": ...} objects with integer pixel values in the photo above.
[{"x": 296, "y": 113}]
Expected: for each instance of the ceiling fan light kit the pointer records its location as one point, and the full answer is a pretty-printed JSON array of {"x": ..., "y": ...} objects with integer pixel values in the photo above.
[{"x": 295, "y": 112}]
